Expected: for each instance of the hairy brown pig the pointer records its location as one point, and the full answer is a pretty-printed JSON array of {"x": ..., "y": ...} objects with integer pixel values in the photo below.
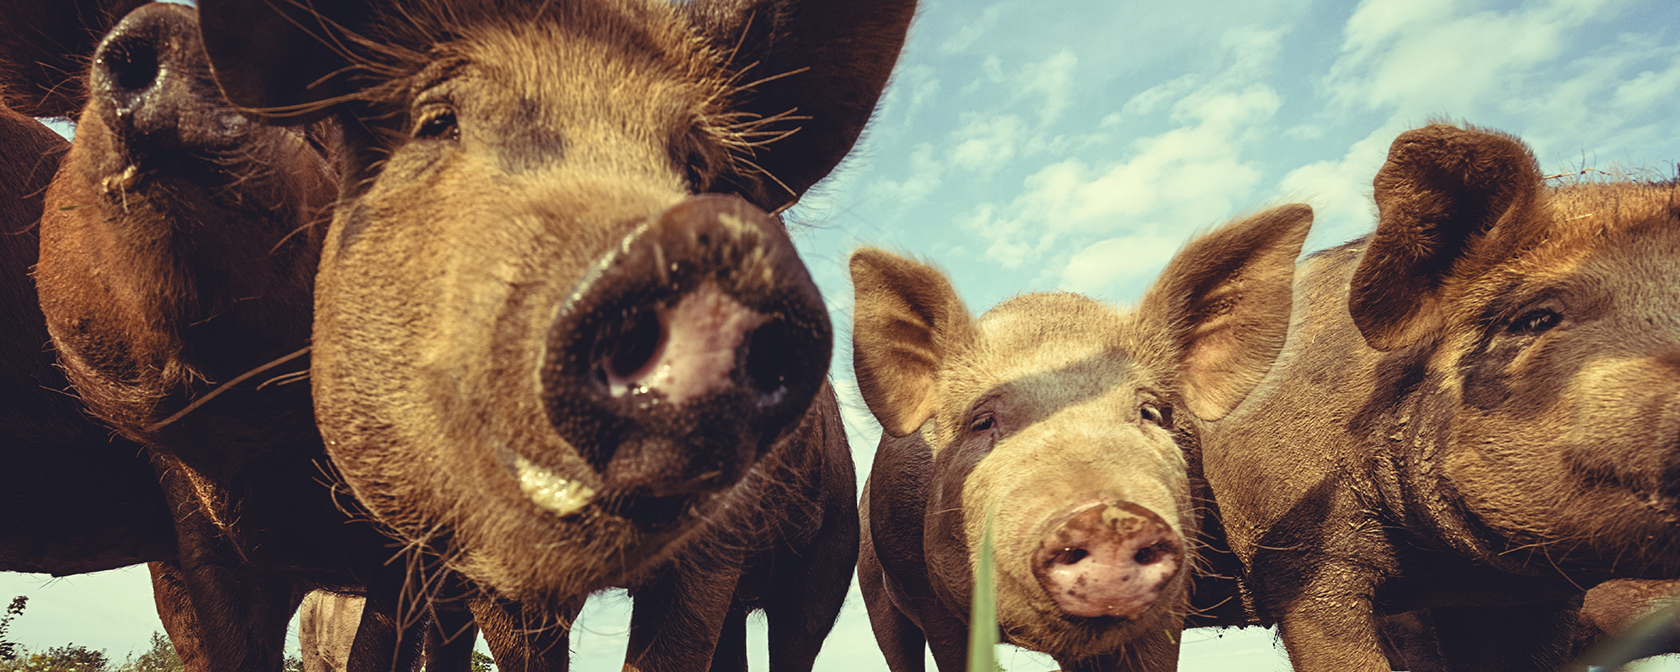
[
  {"x": 1477, "y": 412},
  {"x": 561, "y": 344}
]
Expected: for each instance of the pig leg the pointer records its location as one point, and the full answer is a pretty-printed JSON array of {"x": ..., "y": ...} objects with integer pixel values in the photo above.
[
  {"x": 900, "y": 640},
  {"x": 223, "y": 617},
  {"x": 678, "y": 617},
  {"x": 169, "y": 590},
  {"x": 450, "y": 640},
  {"x": 527, "y": 641},
  {"x": 384, "y": 642},
  {"x": 731, "y": 652},
  {"x": 808, "y": 588},
  {"x": 1513, "y": 637},
  {"x": 1325, "y": 623}
]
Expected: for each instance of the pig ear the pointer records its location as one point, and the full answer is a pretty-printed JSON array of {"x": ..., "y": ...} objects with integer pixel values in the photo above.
[
  {"x": 1226, "y": 299},
  {"x": 907, "y": 322},
  {"x": 44, "y": 54},
  {"x": 813, "y": 67},
  {"x": 1442, "y": 191},
  {"x": 285, "y": 59}
]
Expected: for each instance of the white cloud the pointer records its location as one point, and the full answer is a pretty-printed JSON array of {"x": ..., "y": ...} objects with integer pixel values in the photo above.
[
  {"x": 985, "y": 144},
  {"x": 1186, "y": 177},
  {"x": 1340, "y": 190},
  {"x": 1117, "y": 268},
  {"x": 1053, "y": 78},
  {"x": 924, "y": 178},
  {"x": 970, "y": 32},
  {"x": 1423, "y": 57}
]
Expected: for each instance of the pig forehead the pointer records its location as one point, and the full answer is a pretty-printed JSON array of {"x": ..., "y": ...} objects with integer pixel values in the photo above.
[
  {"x": 1608, "y": 239},
  {"x": 1051, "y": 346},
  {"x": 611, "y": 55}
]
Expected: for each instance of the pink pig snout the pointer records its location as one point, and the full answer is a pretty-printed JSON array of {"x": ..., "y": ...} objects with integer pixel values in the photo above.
[{"x": 1108, "y": 559}]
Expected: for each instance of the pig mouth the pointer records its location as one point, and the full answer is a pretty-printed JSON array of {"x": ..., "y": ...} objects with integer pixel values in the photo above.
[{"x": 569, "y": 497}]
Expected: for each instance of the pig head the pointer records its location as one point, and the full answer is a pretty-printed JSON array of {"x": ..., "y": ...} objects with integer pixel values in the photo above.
[
  {"x": 1476, "y": 412},
  {"x": 1072, "y": 426},
  {"x": 556, "y": 325}
]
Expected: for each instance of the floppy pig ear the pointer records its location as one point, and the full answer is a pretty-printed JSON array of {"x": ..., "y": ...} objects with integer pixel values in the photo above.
[
  {"x": 1226, "y": 297},
  {"x": 45, "y": 48},
  {"x": 1441, "y": 190},
  {"x": 281, "y": 58},
  {"x": 815, "y": 67},
  {"x": 907, "y": 321}
]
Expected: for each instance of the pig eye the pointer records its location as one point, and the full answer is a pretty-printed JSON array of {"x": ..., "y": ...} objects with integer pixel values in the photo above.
[
  {"x": 981, "y": 423},
  {"x": 438, "y": 124},
  {"x": 1157, "y": 415},
  {"x": 1535, "y": 322}
]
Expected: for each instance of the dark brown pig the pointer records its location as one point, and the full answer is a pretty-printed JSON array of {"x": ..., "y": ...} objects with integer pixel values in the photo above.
[
  {"x": 1477, "y": 412},
  {"x": 559, "y": 342},
  {"x": 1075, "y": 426},
  {"x": 76, "y": 500},
  {"x": 177, "y": 257}
]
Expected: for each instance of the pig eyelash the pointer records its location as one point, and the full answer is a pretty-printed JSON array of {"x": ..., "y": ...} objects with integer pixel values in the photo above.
[
  {"x": 982, "y": 422},
  {"x": 439, "y": 124},
  {"x": 1160, "y": 416},
  {"x": 1535, "y": 322}
]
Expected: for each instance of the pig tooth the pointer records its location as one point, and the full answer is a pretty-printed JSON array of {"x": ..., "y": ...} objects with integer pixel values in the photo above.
[{"x": 549, "y": 491}]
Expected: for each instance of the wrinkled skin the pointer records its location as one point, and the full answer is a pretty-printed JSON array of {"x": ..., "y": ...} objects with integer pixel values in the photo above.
[
  {"x": 81, "y": 501},
  {"x": 517, "y": 175},
  {"x": 1473, "y": 414},
  {"x": 177, "y": 253},
  {"x": 1039, "y": 409}
]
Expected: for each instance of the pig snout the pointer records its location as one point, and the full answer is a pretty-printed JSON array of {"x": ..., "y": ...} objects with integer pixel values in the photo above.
[
  {"x": 687, "y": 349},
  {"x": 151, "y": 70},
  {"x": 1108, "y": 559}
]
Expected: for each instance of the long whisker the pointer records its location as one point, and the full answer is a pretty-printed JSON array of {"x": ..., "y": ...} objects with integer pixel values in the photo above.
[{"x": 223, "y": 388}]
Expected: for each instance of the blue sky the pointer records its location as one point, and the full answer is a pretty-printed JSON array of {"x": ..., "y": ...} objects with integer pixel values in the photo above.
[{"x": 1032, "y": 145}]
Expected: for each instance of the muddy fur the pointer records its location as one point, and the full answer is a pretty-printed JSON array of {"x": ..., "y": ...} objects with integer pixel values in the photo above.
[
  {"x": 1471, "y": 414},
  {"x": 495, "y": 151},
  {"x": 1044, "y": 403}
]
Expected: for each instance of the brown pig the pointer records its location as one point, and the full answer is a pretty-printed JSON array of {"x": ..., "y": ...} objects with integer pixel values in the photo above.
[
  {"x": 177, "y": 257},
  {"x": 75, "y": 499},
  {"x": 560, "y": 342},
  {"x": 1477, "y": 412},
  {"x": 1074, "y": 426}
]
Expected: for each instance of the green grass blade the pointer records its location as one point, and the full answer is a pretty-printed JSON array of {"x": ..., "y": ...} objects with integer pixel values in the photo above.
[{"x": 982, "y": 619}]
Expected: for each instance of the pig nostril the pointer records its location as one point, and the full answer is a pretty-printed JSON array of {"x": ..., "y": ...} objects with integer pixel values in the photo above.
[
  {"x": 1150, "y": 555},
  {"x": 132, "y": 64},
  {"x": 770, "y": 357},
  {"x": 632, "y": 347},
  {"x": 1069, "y": 556}
]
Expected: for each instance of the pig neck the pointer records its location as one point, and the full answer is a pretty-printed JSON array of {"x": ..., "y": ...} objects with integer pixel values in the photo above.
[{"x": 1220, "y": 596}]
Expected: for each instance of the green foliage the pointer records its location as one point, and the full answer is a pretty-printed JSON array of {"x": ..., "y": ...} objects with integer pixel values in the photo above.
[
  {"x": 9, "y": 649},
  {"x": 67, "y": 658},
  {"x": 982, "y": 620},
  {"x": 482, "y": 663},
  {"x": 292, "y": 664},
  {"x": 161, "y": 657}
]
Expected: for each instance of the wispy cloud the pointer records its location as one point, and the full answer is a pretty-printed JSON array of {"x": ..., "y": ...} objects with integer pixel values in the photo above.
[{"x": 1188, "y": 176}]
